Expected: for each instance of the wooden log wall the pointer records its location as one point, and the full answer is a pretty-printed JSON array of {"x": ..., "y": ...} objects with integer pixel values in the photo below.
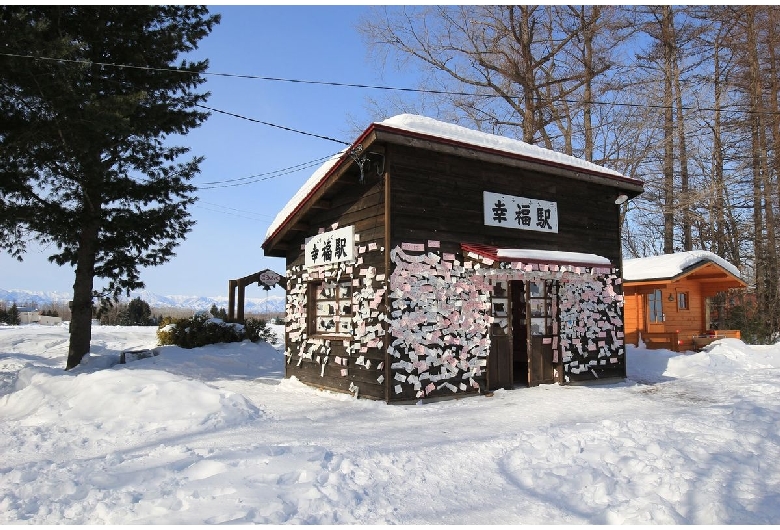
[
  {"x": 439, "y": 197},
  {"x": 353, "y": 362}
]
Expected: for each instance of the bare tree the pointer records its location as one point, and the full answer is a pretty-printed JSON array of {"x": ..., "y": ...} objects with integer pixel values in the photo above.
[
  {"x": 530, "y": 69},
  {"x": 685, "y": 98}
]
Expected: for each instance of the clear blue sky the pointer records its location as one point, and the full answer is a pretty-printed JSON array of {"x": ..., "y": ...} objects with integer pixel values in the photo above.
[{"x": 298, "y": 42}]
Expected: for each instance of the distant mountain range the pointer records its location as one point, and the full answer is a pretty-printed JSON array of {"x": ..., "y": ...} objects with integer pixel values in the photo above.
[{"x": 271, "y": 304}]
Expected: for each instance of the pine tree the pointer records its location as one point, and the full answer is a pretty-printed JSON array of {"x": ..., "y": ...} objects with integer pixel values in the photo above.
[
  {"x": 86, "y": 163},
  {"x": 138, "y": 313},
  {"x": 13, "y": 315}
]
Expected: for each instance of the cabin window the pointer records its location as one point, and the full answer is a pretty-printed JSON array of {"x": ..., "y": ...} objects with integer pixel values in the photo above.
[
  {"x": 682, "y": 300},
  {"x": 330, "y": 307},
  {"x": 655, "y": 307}
]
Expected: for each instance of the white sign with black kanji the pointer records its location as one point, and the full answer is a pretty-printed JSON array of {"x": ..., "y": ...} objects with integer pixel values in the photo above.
[
  {"x": 331, "y": 247},
  {"x": 520, "y": 212}
]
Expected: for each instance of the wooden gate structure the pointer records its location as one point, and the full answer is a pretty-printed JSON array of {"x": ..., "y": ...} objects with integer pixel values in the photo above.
[{"x": 265, "y": 279}]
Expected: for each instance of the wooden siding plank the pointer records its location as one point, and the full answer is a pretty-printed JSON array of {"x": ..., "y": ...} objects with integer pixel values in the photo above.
[{"x": 439, "y": 196}]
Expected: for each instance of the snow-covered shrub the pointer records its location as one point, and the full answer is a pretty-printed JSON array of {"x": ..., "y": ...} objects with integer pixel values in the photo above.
[
  {"x": 203, "y": 329},
  {"x": 257, "y": 330}
]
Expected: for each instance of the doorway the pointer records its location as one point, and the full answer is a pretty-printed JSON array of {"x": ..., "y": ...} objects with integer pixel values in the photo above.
[
  {"x": 523, "y": 355},
  {"x": 655, "y": 312},
  {"x": 519, "y": 326},
  {"x": 542, "y": 301}
]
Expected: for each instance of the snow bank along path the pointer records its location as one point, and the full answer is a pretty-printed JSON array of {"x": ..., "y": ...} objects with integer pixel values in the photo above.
[{"x": 216, "y": 435}]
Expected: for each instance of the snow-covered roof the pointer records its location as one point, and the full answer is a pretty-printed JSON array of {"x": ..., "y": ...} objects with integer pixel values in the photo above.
[
  {"x": 430, "y": 127},
  {"x": 670, "y": 265},
  {"x": 303, "y": 192},
  {"x": 553, "y": 256},
  {"x": 458, "y": 133}
]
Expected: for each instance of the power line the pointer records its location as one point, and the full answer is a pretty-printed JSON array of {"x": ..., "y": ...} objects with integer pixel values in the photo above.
[
  {"x": 377, "y": 87},
  {"x": 246, "y": 76},
  {"x": 273, "y": 125},
  {"x": 251, "y": 218},
  {"x": 239, "y": 211},
  {"x": 252, "y": 179}
]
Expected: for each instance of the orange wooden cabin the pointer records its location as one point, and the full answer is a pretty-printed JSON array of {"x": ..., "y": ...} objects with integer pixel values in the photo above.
[{"x": 665, "y": 299}]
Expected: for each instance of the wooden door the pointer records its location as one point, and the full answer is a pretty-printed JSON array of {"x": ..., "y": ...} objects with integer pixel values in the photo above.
[
  {"x": 499, "y": 367},
  {"x": 541, "y": 298},
  {"x": 654, "y": 311}
]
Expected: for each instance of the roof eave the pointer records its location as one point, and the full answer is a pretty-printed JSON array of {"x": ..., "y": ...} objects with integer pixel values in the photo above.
[
  {"x": 687, "y": 272},
  {"x": 338, "y": 169},
  {"x": 632, "y": 187},
  {"x": 379, "y": 131}
]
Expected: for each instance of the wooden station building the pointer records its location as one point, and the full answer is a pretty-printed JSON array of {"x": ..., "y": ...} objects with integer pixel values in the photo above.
[
  {"x": 430, "y": 260},
  {"x": 666, "y": 299}
]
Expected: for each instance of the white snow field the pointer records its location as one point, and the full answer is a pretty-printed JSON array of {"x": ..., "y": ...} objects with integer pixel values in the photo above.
[{"x": 216, "y": 435}]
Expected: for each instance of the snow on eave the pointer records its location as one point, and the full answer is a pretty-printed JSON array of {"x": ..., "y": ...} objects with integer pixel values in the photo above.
[
  {"x": 668, "y": 266},
  {"x": 302, "y": 194},
  {"x": 553, "y": 256},
  {"x": 422, "y": 125},
  {"x": 440, "y": 131}
]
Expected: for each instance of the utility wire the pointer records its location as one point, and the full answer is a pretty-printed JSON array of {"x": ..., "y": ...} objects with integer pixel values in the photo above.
[
  {"x": 273, "y": 125},
  {"x": 252, "y": 179},
  {"x": 251, "y": 218},
  {"x": 265, "y": 176},
  {"x": 379, "y": 87},
  {"x": 255, "y": 214},
  {"x": 245, "y": 76}
]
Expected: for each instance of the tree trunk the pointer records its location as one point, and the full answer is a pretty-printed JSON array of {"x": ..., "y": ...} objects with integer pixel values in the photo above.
[
  {"x": 773, "y": 191},
  {"x": 667, "y": 36},
  {"x": 755, "y": 124},
  {"x": 685, "y": 202},
  {"x": 722, "y": 222},
  {"x": 81, "y": 313},
  {"x": 528, "y": 71},
  {"x": 589, "y": 35}
]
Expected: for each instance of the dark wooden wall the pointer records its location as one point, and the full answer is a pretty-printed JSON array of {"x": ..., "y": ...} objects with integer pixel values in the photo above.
[
  {"x": 350, "y": 202},
  {"x": 435, "y": 196},
  {"x": 439, "y": 196}
]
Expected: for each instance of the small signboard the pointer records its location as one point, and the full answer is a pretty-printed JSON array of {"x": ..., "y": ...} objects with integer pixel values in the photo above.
[
  {"x": 522, "y": 213},
  {"x": 268, "y": 279},
  {"x": 335, "y": 246}
]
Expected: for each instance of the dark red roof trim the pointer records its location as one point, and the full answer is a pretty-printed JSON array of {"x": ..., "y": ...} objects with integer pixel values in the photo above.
[
  {"x": 437, "y": 139},
  {"x": 505, "y": 154}
]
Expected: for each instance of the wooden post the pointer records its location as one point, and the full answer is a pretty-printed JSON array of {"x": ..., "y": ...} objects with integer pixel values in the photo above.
[
  {"x": 231, "y": 299},
  {"x": 388, "y": 235},
  {"x": 240, "y": 314}
]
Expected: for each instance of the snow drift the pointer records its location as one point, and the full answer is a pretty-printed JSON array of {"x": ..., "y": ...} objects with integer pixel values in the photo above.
[{"x": 216, "y": 435}]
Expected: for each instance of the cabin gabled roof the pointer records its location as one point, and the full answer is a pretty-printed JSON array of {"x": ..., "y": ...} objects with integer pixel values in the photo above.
[
  {"x": 420, "y": 131},
  {"x": 695, "y": 264}
]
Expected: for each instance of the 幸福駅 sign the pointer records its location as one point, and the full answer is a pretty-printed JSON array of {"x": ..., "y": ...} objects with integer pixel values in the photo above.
[
  {"x": 331, "y": 247},
  {"x": 522, "y": 213}
]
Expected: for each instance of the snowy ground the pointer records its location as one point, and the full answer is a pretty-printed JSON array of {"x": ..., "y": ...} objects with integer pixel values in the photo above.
[{"x": 215, "y": 435}]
